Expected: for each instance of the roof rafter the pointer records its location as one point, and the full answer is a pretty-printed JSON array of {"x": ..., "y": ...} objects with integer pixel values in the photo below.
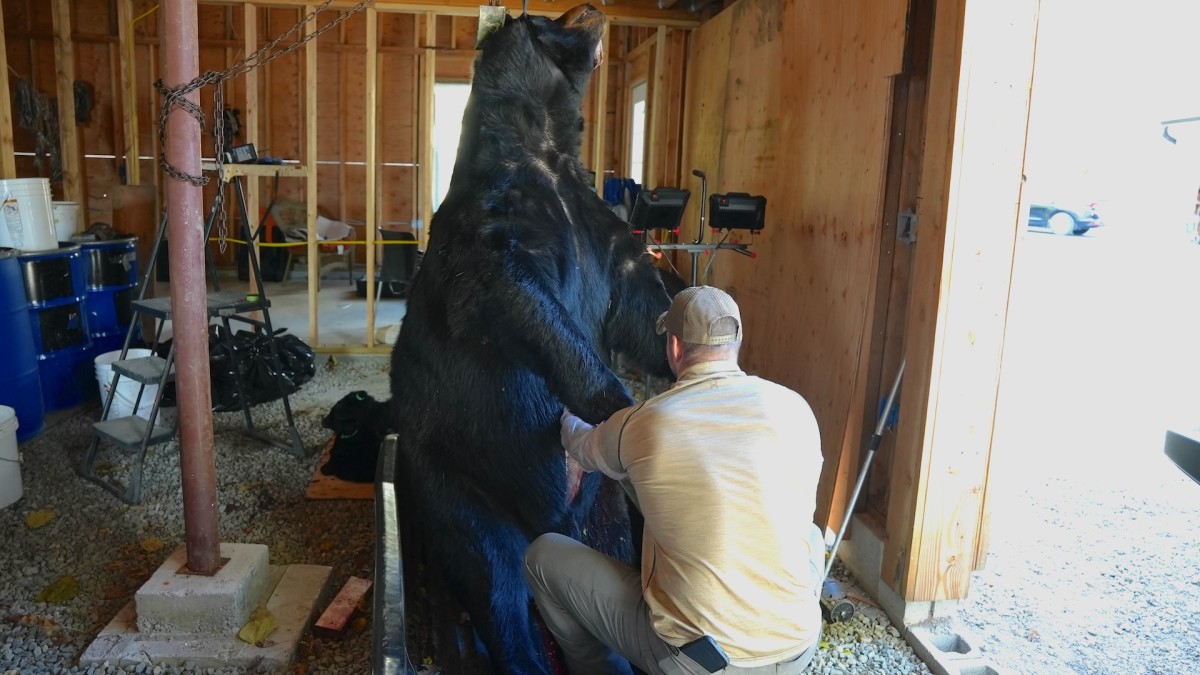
[{"x": 624, "y": 12}]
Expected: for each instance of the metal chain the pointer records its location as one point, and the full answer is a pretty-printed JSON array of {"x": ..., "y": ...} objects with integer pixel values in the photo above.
[
  {"x": 219, "y": 143},
  {"x": 176, "y": 97}
]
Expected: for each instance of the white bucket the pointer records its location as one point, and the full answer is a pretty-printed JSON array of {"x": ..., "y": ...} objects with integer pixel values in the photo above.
[
  {"x": 127, "y": 388},
  {"x": 66, "y": 219},
  {"x": 10, "y": 461},
  {"x": 26, "y": 222}
]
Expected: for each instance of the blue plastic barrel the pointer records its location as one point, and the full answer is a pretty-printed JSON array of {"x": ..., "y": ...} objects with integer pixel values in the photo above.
[
  {"x": 20, "y": 385},
  {"x": 111, "y": 288},
  {"x": 55, "y": 287}
]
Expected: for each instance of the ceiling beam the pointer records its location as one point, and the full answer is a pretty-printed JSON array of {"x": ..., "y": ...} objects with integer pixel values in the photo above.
[{"x": 622, "y": 12}]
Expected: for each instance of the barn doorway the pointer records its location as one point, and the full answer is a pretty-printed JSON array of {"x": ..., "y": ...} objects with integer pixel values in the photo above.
[{"x": 1090, "y": 523}]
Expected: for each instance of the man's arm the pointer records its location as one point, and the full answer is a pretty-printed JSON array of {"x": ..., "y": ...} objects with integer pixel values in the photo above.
[{"x": 595, "y": 448}]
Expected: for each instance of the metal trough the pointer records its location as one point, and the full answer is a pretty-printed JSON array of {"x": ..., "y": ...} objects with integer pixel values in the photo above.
[{"x": 389, "y": 650}]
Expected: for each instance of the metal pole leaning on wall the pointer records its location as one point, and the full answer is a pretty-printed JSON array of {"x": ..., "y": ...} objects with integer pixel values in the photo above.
[
  {"x": 181, "y": 64},
  {"x": 872, "y": 446}
]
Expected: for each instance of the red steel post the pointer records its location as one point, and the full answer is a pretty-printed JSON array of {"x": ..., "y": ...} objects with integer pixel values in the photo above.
[{"x": 181, "y": 64}]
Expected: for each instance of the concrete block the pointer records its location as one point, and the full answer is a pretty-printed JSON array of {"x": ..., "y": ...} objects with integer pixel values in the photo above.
[
  {"x": 171, "y": 603},
  {"x": 945, "y": 648},
  {"x": 944, "y": 609},
  {"x": 294, "y": 594},
  {"x": 862, "y": 553}
]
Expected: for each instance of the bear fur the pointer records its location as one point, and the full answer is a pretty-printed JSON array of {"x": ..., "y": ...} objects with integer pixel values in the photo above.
[{"x": 528, "y": 286}]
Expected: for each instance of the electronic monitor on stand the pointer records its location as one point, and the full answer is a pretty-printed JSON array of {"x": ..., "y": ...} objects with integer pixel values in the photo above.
[
  {"x": 732, "y": 211},
  {"x": 658, "y": 209}
]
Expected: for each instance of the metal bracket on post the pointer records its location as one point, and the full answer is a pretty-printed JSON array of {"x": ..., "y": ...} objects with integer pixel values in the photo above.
[{"x": 906, "y": 227}]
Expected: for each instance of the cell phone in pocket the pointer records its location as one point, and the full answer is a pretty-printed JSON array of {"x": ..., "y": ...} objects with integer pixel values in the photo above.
[{"x": 706, "y": 652}]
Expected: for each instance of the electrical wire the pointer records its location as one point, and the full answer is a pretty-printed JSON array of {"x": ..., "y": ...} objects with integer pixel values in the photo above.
[
  {"x": 658, "y": 246},
  {"x": 713, "y": 253}
]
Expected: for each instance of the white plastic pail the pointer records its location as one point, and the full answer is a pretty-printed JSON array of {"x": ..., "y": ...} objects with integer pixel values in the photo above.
[
  {"x": 66, "y": 219},
  {"x": 10, "y": 461},
  {"x": 26, "y": 222},
  {"x": 127, "y": 388}
]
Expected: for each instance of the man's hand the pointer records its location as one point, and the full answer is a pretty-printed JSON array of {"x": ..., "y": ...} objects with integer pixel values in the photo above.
[
  {"x": 572, "y": 426},
  {"x": 581, "y": 442}
]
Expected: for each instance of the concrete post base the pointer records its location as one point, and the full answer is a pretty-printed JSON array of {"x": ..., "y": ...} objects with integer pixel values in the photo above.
[
  {"x": 930, "y": 628},
  {"x": 185, "y": 619}
]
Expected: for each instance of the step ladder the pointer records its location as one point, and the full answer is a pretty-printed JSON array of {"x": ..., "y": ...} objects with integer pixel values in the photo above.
[{"x": 137, "y": 434}]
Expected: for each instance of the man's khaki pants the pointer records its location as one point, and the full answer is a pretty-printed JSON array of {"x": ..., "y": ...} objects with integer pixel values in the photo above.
[{"x": 593, "y": 606}]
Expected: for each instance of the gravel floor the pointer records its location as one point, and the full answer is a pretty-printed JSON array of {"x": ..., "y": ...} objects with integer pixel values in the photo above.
[
  {"x": 1085, "y": 576},
  {"x": 111, "y": 548}
]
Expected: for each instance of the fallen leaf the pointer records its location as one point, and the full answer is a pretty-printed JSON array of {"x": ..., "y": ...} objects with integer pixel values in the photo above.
[
  {"x": 246, "y": 487},
  {"x": 151, "y": 544},
  {"x": 60, "y": 591},
  {"x": 260, "y": 625},
  {"x": 326, "y": 545},
  {"x": 49, "y": 626},
  {"x": 115, "y": 592},
  {"x": 39, "y": 518},
  {"x": 103, "y": 467},
  {"x": 359, "y": 624}
]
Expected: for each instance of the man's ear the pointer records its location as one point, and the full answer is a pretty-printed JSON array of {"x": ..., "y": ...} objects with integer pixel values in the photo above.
[{"x": 674, "y": 348}]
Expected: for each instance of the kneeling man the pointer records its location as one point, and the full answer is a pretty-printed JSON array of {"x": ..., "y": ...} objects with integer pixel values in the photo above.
[{"x": 724, "y": 467}]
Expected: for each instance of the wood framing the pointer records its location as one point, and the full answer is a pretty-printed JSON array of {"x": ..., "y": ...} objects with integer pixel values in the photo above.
[
  {"x": 370, "y": 144},
  {"x": 979, "y": 91},
  {"x": 600, "y": 115},
  {"x": 250, "y": 121},
  {"x": 657, "y": 103},
  {"x": 909, "y": 114},
  {"x": 627, "y": 12},
  {"x": 74, "y": 185},
  {"x": 133, "y": 170},
  {"x": 8, "y": 161},
  {"x": 310, "y": 184},
  {"x": 425, "y": 155}
]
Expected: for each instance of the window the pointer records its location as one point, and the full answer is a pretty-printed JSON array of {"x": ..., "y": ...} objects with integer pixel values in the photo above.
[
  {"x": 637, "y": 133},
  {"x": 449, "y": 103}
]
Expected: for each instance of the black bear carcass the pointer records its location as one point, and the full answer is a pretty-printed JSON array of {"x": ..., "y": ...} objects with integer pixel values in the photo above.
[{"x": 529, "y": 283}]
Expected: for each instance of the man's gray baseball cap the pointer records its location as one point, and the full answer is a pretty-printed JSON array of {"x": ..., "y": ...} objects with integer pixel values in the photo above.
[{"x": 702, "y": 315}]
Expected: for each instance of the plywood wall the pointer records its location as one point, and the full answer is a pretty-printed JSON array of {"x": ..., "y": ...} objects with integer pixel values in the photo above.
[{"x": 790, "y": 99}]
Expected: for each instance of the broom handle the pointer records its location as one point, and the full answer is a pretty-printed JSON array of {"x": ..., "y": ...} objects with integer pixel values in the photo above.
[{"x": 872, "y": 446}]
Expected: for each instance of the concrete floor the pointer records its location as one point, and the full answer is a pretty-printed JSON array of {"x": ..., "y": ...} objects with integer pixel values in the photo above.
[{"x": 341, "y": 314}]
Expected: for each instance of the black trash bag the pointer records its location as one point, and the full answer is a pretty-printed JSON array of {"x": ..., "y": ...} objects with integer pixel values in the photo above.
[{"x": 259, "y": 378}]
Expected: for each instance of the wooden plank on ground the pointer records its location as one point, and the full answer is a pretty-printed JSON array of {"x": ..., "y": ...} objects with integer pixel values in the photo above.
[{"x": 336, "y": 617}]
